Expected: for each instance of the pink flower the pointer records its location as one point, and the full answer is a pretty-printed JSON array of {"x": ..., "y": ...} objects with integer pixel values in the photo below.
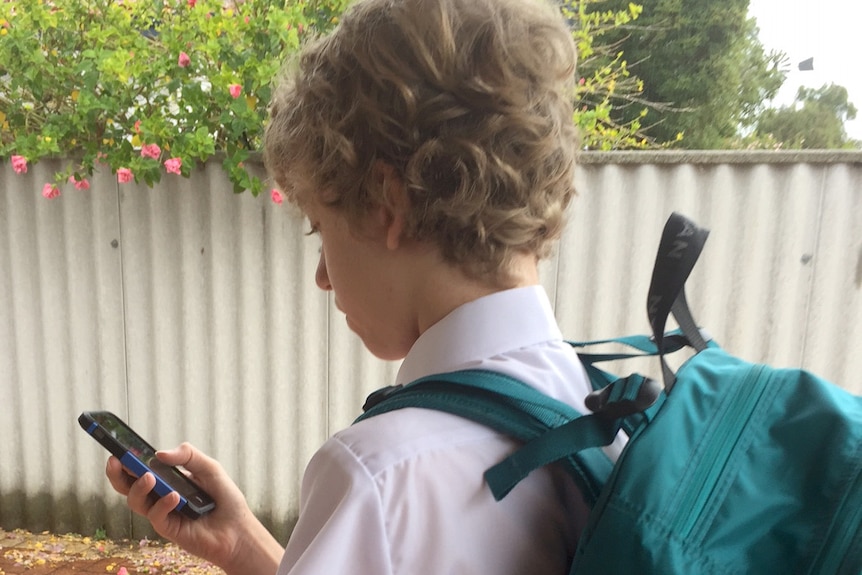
[
  {"x": 235, "y": 90},
  {"x": 79, "y": 184},
  {"x": 19, "y": 164},
  {"x": 122, "y": 571},
  {"x": 184, "y": 60},
  {"x": 124, "y": 175},
  {"x": 276, "y": 196},
  {"x": 173, "y": 165},
  {"x": 192, "y": 3},
  {"x": 151, "y": 151},
  {"x": 50, "y": 191}
]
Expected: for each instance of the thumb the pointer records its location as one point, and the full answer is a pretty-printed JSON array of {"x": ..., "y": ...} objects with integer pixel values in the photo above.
[
  {"x": 188, "y": 456},
  {"x": 205, "y": 471}
]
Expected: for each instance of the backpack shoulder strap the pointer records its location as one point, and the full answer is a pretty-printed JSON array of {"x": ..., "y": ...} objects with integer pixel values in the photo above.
[{"x": 517, "y": 410}]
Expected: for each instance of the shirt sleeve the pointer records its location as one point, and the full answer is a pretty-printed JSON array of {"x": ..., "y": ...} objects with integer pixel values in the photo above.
[{"x": 341, "y": 527}]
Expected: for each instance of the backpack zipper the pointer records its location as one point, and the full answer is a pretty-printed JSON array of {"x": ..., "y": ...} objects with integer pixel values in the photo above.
[
  {"x": 734, "y": 417},
  {"x": 841, "y": 534}
]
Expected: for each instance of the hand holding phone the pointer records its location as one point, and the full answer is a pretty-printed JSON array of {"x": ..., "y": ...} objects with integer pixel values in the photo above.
[{"x": 139, "y": 457}]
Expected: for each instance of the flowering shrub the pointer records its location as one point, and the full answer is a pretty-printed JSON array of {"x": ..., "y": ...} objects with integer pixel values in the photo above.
[
  {"x": 147, "y": 88},
  {"x": 144, "y": 87}
]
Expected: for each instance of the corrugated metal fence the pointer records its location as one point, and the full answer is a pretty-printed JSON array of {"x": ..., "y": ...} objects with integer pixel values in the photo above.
[{"x": 192, "y": 312}]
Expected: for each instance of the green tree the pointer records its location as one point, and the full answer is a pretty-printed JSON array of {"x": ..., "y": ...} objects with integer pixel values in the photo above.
[
  {"x": 605, "y": 83},
  {"x": 704, "y": 70},
  {"x": 814, "y": 121}
]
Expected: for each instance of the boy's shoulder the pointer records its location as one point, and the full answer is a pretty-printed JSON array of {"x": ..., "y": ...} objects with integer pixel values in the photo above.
[{"x": 410, "y": 438}]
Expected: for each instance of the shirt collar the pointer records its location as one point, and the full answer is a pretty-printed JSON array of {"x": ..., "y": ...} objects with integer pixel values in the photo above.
[{"x": 489, "y": 326}]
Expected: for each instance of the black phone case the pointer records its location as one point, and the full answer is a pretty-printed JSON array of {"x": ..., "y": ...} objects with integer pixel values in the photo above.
[{"x": 194, "y": 503}]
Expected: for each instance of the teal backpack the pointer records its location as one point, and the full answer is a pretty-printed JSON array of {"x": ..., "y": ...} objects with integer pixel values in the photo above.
[{"x": 731, "y": 467}]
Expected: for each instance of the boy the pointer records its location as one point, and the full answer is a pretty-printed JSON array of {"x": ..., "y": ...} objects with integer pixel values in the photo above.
[{"x": 430, "y": 144}]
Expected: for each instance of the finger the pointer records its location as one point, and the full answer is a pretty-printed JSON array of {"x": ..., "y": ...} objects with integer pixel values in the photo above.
[
  {"x": 159, "y": 513},
  {"x": 139, "y": 498},
  {"x": 120, "y": 480}
]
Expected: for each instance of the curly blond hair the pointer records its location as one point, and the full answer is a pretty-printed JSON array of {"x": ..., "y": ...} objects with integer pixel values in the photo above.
[{"x": 470, "y": 101}]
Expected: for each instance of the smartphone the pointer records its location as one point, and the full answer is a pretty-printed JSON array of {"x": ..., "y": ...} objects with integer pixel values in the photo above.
[{"x": 139, "y": 457}]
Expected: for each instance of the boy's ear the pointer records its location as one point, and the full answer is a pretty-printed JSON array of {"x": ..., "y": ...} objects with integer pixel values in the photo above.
[{"x": 396, "y": 205}]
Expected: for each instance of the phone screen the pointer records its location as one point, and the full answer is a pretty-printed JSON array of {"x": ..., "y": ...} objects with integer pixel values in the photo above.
[{"x": 122, "y": 441}]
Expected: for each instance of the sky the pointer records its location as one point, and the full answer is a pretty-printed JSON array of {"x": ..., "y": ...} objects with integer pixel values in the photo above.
[{"x": 830, "y": 31}]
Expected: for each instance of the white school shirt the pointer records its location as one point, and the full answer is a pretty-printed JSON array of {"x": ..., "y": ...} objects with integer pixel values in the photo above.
[{"x": 402, "y": 493}]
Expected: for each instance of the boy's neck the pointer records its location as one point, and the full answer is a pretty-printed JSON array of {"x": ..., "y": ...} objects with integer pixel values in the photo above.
[{"x": 450, "y": 287}]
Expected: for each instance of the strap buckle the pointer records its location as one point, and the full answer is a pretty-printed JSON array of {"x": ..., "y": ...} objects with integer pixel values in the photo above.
[{"x": 380, "y": 395}]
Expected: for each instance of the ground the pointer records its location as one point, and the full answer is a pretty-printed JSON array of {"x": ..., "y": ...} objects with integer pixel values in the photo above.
[{"x": 47, "y": 553}]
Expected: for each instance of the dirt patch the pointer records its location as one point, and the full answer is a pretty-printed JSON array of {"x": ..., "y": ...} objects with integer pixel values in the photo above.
[{"x": 46, "y": 553}]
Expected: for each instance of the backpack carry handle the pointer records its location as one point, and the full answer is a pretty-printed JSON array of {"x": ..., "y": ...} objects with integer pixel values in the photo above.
[{"x": 681, "y": 243}]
